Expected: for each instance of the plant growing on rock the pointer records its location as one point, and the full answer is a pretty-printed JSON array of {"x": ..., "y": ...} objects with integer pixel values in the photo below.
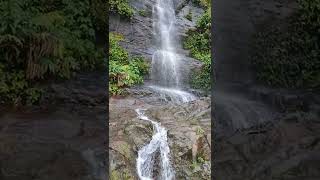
[
  {"x": 189, "y": 15},
  {"x": 202, "y": 3},
  {"x": 124, "y": 71},
  {"x": 121, "y": 7},
  {"x": 142, "y": 13},
  {"x": 290, "y": 58},
  {"x": 198, "y": 42}
]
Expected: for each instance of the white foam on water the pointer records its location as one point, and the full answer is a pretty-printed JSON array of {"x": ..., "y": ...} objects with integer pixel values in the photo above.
[
  {"x": 174, "y": 95},
  {"x": 146, "y": 155},
  {"x": 165, "y": 61}
]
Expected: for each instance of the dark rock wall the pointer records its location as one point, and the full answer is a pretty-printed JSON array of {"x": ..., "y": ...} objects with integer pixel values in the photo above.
[
  {"x": 137, "y": 31},
  {"x": 234, "y": 25},
  {"x": 286, "y": 148}
]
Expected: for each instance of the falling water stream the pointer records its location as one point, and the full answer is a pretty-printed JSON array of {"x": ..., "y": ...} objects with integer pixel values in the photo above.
[
  {"x": 146, "y": 155},
  {"x": 167, "y": 83},
  {"x": 165, "y": 60},
  {"x": 166, "y": 63}
]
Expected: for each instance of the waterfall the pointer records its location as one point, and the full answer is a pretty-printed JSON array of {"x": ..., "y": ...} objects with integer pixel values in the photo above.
[
  {"x": 167, "y": 83},
  {"x": 165, "y": 61},
  {"x": 146, "y": 155}
]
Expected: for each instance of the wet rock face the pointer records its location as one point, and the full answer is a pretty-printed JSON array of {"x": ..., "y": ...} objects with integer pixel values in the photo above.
[
  {"x": 189, "y": 135},
  {"x": 137, "y": 31}
]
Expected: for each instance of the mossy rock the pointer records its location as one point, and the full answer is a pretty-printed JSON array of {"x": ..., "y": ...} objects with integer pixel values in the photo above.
[
  {"x": 122, "y": 174},
  {"x": 124, "y": 149}
]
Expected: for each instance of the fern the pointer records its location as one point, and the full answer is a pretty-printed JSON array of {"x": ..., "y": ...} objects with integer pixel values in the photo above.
[{"x": 44, "y": 38}]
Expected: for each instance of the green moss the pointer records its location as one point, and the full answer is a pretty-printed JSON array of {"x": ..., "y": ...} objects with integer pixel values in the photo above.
[
  {"x": 122, "y": 174},
  {"x": 199, "y": 131},
  {"x": 125, "y": 150},
  {"x": 194, "y": 122}
]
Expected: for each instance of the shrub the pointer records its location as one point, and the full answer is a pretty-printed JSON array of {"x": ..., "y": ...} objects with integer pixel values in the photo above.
[
  {"x": 198, "y": 42},
  {"x": 124, "y": 71},
  {"x": 142, "y": 12},
  {"x": 99, "y": 11},
  {"x": 290, "y": 59},
  {"x": 202, "y": 3},
  {"x": 121, "y": 7},
  {"x": 41, "y": 39}
]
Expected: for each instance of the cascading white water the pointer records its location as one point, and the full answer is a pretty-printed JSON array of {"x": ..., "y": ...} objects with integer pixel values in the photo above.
[
  {"x": 146, "y": 155},
  {"x": 174, "y": 95},
  {"x": 165, "y": 61},
  {"x": 166, "y": 82}
]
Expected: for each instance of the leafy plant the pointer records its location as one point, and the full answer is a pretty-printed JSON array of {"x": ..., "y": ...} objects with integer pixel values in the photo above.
[
  {"x": 99, "y": 9},
  {"x": 142, "y": 12},
  {"x": 41, "y": 39},
  {"x": 124, "y": 71},
  {"x": 198, "y": 41},
  {"x": 121, "y": 7},
  {"x": 290, "y": 58},
  {"x": 202, "y": 3}
]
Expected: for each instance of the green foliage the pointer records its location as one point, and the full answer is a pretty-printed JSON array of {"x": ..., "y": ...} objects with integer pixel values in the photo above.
[
  {"x": 121, "y": 7},
  {"x": 290, "y": 58},
  {"x": 15, "y": 88},
  {"x": 200, "y": 159},
  {"x": 41, "y": 39},
  {"x": 124, "y": 71},
  {"x": 189, "y": 16},
  {"x": 202, "y": 3},
  {"x": 99, "y": 11},
  {"x": 202, "y": 79},
  {"x": 142, "y": 12},
  {"x": 204, "y": 23},
  {"x": 199, "y": 43},
  {"x": 199, "y": 131}
]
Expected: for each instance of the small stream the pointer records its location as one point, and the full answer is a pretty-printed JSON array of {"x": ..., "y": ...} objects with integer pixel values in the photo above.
[{"x": 146, "y": 155}]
